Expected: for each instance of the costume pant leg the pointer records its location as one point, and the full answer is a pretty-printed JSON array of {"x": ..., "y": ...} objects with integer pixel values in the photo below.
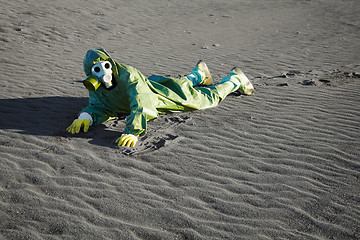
[
  {"x": 225, "y": 89},
  {"x": 194, "y": 78},
  {"x": 178, "y": 94},
  {"x": 212, "y": 95}
]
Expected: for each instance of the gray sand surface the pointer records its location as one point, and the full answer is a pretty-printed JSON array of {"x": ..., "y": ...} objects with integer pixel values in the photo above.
[{"x": 282, "y": 163}]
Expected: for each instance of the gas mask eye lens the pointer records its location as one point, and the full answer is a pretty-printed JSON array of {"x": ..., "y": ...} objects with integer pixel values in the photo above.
[
  {"x": 97, "y": 69},
  {"x": 107, "y": 65}
]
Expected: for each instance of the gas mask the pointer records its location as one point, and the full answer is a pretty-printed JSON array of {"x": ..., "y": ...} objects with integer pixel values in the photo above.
[{"x": 101, "y": 72}]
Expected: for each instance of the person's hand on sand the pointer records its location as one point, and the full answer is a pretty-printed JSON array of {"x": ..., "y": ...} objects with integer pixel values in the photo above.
[
  {"x": 77, "y": 124},
  {"x": 128, "y": 140}
]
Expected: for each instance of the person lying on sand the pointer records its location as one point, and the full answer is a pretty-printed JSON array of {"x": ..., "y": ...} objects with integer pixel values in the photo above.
[{"x": 115, "y": 88}]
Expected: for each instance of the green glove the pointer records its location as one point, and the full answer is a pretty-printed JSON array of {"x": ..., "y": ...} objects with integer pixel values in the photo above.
[
  {"x": 127, "y": 140},
  {"x": 77, "y": 124}
]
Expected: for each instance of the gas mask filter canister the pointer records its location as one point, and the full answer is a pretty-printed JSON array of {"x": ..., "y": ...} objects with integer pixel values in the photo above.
[{"x": 100, "y": 72}]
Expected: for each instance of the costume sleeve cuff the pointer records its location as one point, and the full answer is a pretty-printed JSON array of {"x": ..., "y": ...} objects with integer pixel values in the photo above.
[{"x": 87, "y": 116}]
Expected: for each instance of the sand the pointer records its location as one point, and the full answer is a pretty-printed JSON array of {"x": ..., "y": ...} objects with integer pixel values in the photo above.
[{"x": 282, "y": 163}]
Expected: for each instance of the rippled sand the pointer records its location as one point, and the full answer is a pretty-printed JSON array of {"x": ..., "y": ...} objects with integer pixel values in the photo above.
[{"x": 282, "y": 163}]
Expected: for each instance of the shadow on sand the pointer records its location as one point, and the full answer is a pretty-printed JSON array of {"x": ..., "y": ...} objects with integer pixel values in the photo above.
[
  {"x": 50, "y": 116},
  {"x": 39, "y": 116}
]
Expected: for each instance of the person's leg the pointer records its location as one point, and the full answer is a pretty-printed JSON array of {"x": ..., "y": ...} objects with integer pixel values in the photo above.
[
  {"x": 210, "y": 96},
  {"x": 179, "y": 94}
]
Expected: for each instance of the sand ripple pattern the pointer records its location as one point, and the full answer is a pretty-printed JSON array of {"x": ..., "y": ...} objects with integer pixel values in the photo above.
[{"x": 281, "y": 164}]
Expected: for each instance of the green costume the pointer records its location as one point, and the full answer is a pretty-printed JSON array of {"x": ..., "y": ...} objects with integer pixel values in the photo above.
[{"x": 144, "y": 98}]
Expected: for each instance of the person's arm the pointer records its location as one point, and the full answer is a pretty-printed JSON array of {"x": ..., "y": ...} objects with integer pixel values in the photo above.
[
  {"x": 142, "y": 104},
  {"x": 93, "y": 114}
]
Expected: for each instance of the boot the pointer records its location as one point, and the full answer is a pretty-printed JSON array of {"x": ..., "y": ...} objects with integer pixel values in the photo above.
[
  {"x": 200, "y": 75},
  {"x": 240, "y": 81}
]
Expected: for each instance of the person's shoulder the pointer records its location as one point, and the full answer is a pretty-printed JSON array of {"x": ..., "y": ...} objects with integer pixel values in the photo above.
[{"x": 124, "y": 69}]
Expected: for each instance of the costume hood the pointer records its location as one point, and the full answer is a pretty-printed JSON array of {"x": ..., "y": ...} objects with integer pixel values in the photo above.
[{"x": 95, "y": 55}]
